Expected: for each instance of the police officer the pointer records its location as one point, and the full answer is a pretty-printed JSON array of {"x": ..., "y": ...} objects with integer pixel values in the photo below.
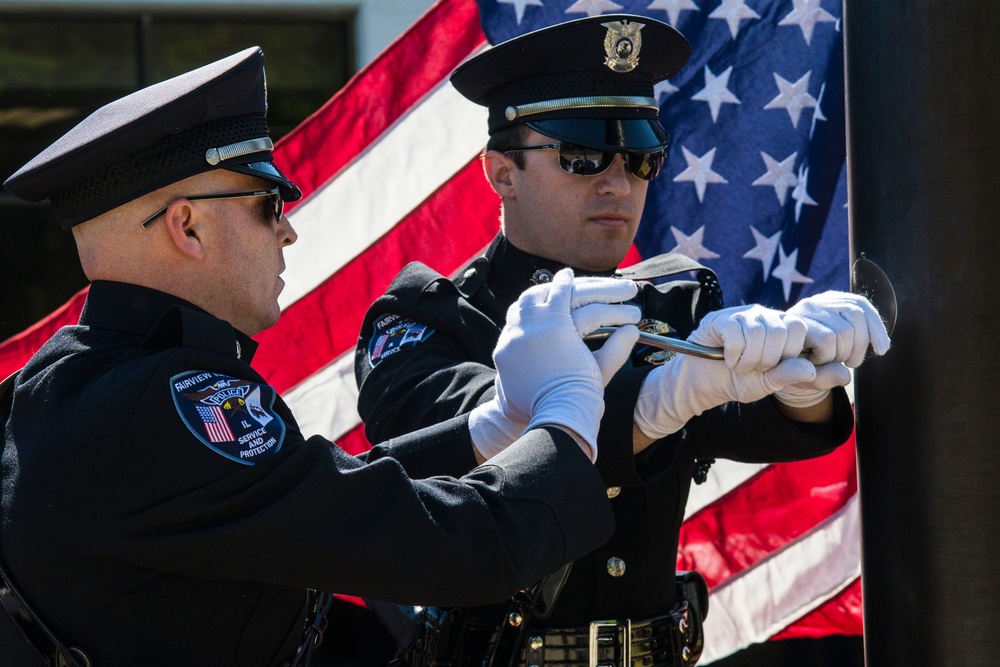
[
  {"x": 160, "y": 505},
  {"x": 574, "y": 142}
]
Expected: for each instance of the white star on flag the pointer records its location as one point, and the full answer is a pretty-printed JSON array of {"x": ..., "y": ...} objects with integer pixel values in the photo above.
[
  {"x": 733, "y": 11},
  {"x": 787, "y": 273},
  {"x": 699, "y": 171},
  {"x": 793, "y": 96},
  {"x": 592, "y": 7},
  {"x": 800, "y": 195},
  {"x": 692, "y": 246},
  {"x": 806, "y": 14},
  {"x": 779, "y": 174},
  {"x": 673, "y": 8},
  {"x": 520, "y": 5},
  {"x": 716, "y": 91},
  {"x": 764, "y": 249},
  {"x": 662, "y": 89}
]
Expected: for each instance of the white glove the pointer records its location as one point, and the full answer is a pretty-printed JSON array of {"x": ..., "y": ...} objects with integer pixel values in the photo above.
[
  {"x": 545, "y": 373},
  {"x": 751, "y": 337},
  {"x": 839, "y": 328},
  {"x": 760, "y": 350}
]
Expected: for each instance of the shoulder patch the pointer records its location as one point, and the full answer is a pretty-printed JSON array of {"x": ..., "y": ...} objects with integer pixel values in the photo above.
[
  {"x": 394, "y": 333},
  {"x": 231, "y": 416}
]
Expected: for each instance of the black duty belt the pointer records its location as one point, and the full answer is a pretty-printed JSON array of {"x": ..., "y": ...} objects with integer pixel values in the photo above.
[
  {"x": 672, "y": 640},
  {"x": 675, "y": 639}
]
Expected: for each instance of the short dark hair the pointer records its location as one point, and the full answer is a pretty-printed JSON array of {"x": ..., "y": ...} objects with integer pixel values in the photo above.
[{"x": 508, "y": 138}]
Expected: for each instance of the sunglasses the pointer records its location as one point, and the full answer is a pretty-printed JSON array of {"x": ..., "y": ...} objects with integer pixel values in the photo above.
[
  {"x": 277, "y": 203},
  {"x": 585, "y": 161}
]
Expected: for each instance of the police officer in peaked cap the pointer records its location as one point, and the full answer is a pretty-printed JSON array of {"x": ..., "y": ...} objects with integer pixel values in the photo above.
[
  {"x": 574, "y": 142},
  {"x": 160, "y": 505}
]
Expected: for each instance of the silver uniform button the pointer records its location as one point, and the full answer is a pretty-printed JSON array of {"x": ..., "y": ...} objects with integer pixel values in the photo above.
[
  {"x": 616, "y": 567},
  {"x": 469, "y": 274},
  {"x": 613, "y": 491}
]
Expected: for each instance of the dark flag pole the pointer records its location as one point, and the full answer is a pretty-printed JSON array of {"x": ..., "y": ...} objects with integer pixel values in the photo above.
[{"x": 923, "y": 101}]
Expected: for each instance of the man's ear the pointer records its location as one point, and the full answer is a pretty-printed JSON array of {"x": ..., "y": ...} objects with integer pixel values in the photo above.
[
  {"x": 501, "y": 172},
  {"x": 186, "y": 228}
]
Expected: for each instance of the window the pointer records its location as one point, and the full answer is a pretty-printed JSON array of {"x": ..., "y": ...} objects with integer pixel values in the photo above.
[{"x": 56, "y": 70}]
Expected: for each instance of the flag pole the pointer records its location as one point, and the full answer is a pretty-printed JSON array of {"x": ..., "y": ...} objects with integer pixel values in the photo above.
[{"x": 924, "y": 182}]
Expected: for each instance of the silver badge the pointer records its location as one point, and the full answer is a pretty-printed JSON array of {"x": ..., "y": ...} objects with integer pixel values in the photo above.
[{"x": 622, "y": 44}]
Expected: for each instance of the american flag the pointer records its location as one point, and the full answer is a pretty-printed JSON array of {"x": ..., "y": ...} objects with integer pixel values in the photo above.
[
  {"x": 215, "y": 423},
  {"x": 754, "y": 187}
]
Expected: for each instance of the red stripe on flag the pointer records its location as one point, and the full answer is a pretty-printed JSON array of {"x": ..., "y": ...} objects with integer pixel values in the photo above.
[
  {"x": 780, "y": 504},
  {"x": 445, "y": 232},
  {"x": 16, "y": 350},
  {"x": 354, "y": 441},
  {"x": 379, "y": 94},
  {"x": 839, "y": 615}
]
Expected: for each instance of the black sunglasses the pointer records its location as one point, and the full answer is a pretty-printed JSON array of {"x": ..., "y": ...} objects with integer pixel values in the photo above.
[
  {"x": 274, "y": 193},
  {"x": 584, "y": 161}
]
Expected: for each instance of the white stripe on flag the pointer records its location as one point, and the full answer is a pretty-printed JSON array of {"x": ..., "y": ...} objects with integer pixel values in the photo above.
[
  {"x": 723, "y": 477},
  {"x": 784, "y": 586},
  {"x": 411, "y": 160},
  {"x": 326, "y": 402}
]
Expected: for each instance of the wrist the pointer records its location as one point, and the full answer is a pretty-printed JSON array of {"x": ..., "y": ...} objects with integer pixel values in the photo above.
[{"x": 491, "y": 430}]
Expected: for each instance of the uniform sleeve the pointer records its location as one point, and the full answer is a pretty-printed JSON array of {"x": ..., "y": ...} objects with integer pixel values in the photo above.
[
  {"x": 306, "y": 514},
  {"x": 758, "y": 433},
  {"x": 423, "y": 385}
]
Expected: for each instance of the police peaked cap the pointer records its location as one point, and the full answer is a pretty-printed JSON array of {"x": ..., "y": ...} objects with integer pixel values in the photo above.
[
  {"x": 213, "y": 117},
  {"x": 588, "y": 81}
]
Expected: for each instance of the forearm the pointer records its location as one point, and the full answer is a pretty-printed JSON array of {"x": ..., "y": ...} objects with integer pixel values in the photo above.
[{"x": 640, "y": 440}]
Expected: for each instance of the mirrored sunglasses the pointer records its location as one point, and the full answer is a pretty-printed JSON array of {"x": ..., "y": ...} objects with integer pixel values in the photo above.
[{"x": 583, "y": 161}]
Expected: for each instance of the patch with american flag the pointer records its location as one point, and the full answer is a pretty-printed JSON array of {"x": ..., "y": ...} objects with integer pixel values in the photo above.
[
  {"x": 392, "y": 334},
  {"x": 230, "y": 415}
]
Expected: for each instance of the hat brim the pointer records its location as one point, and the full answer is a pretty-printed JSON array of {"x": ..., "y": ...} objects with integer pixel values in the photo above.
[
  {"x": 267, "y": 169},
  {"x": 638, "y": 134}
]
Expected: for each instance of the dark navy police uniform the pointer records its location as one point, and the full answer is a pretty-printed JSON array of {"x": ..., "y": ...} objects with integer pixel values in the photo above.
[
  {"x": 424, "y": 356},
  {"x": 151, "y": 532},
  {"x": 450, "y": 371},
  {"x": 159, "y": 504}
]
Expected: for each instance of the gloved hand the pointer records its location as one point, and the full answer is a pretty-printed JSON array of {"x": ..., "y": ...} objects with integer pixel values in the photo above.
[
  {"x": 752, "y": 337},
  {"x": 839, "y": 328},
  {"x": 545, "y": 373},
  {"x": 760, "y": 356}
]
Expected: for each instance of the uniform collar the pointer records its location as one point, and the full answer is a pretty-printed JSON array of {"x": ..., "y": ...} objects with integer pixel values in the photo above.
[
  {"x": 512, "y": 269},
  {"x": 137, "y": 310}
]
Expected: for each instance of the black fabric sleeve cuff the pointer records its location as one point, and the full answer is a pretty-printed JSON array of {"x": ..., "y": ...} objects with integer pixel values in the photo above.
[{"x": 615, "y": 460}]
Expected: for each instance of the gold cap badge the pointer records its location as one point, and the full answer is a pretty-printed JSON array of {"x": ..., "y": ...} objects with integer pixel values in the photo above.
[{"x": 622, "y": 44}]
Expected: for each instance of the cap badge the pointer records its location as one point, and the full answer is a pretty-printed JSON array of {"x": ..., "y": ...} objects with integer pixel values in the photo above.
[{"x": 622, "y": 44}]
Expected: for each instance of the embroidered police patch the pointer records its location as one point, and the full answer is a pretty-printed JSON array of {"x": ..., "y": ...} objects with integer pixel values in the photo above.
[
  {"x": 233, "y": 417},
  {"x": 394, "y": 333}
]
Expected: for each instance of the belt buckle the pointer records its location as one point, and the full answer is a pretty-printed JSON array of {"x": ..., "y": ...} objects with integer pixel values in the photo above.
[{"x": 613, "y": 634}]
